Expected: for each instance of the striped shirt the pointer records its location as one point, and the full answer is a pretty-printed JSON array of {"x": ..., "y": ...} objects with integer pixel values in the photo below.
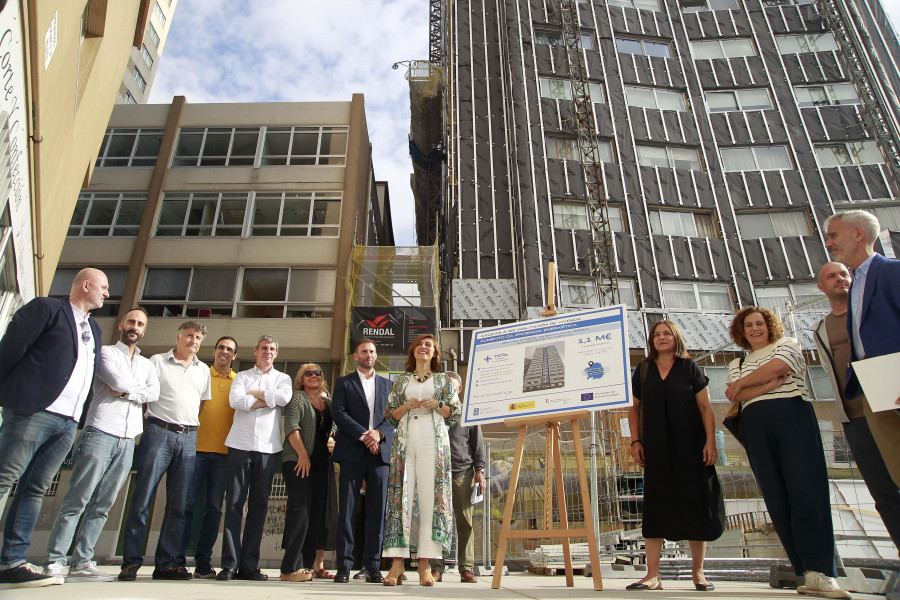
[{"x": 786, "y": 349}]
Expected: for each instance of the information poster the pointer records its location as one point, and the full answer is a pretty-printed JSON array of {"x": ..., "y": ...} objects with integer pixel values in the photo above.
[{"x": 575, "y": 361}]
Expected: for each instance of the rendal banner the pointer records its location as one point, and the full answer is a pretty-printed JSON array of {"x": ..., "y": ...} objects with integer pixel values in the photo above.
[{"x": 392, "y": 327}]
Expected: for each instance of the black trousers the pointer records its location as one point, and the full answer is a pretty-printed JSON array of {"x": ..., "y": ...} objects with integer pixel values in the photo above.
[
  {"x": 874, "y": 472},
  {"x": 249, "y": 479},
  {"x": 302, "y": 514},
  {"x": 375, "y": 473}
]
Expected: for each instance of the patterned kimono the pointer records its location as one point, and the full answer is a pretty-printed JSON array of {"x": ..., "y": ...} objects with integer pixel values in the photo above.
[{"x": 401, "y": 522}]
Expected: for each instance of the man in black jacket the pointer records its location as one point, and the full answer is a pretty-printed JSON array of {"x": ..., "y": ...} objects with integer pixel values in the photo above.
[{"x": 47, "y": 361}]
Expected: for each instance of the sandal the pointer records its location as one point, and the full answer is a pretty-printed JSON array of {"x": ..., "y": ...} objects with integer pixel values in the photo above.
[{"x": 323, "y": 574}]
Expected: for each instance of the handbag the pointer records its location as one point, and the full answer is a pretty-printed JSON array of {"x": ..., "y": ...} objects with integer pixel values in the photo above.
[{"x": 732, "y": 420}]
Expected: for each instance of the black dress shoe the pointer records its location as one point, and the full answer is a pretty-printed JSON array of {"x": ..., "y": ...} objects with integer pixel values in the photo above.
[
  {"x": 226, "y": 574},
  {"x": 361, "y": 575},
  {"x": 373, "y": 575},
  {"x": 254, "y": 575},
  {"x": 342, "y": 575}
]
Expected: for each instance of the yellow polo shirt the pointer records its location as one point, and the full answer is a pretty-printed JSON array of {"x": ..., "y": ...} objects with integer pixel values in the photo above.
[{"x": 216, "y": 415}]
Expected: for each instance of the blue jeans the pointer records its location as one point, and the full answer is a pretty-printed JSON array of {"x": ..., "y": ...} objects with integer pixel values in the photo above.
[
  {"x": 161, "y": 452},
  {"x": 209, "y": 473},
  {"x": 32, "y": 448},
  {"x": 100, "y": 465}
]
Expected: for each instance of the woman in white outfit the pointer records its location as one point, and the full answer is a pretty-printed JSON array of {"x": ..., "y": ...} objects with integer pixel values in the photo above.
[{"x": 419, "y": 514}]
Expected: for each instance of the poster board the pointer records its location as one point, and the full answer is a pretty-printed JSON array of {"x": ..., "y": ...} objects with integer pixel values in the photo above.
[{"x": 574, "y": 361}]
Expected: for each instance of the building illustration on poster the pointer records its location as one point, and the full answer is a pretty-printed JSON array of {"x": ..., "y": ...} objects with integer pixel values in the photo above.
[{"x": 544, "y": 367}]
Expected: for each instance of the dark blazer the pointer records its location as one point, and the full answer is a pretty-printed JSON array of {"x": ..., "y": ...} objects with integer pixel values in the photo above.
[
  {"x": 351, "y": 415},
  {"x": 879, "y": 328},
  {"x": 38, "y": 354}
]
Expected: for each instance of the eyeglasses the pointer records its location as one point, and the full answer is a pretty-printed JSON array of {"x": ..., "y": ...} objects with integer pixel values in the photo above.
[
  {"x": 86, "y": 332},
  {"x": 313, "y": 374},
  {"x": 226, "y": 348}
]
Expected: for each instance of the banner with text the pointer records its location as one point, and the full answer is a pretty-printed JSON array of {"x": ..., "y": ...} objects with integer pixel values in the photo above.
[
  {"x": 392, "y": 328},
  {"x": 576, "y": 361}
]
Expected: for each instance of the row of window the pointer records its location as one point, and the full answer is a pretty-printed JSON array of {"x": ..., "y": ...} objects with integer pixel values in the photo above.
[
  {"x": 239, "y": 292},
  {"x": 701, "y": 5},
  {"x": 734, "y": 159},
  {"x": 211, "y": 214},
  {"x": 729, "y": 47},
  {"x": 568, "y": 214}
]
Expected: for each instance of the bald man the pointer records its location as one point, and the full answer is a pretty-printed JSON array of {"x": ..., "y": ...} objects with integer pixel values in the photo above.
[{"x": 47, "y": 359}]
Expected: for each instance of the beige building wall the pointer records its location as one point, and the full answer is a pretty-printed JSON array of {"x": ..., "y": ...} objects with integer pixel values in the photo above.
[{"x": 145, "y": 56}]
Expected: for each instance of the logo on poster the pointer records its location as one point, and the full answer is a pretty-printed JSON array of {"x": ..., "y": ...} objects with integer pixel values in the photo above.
[{"x": 594, "y": 370}]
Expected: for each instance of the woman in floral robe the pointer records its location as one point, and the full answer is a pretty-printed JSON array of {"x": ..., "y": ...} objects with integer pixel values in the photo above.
[{"x": 419, "y": 513}]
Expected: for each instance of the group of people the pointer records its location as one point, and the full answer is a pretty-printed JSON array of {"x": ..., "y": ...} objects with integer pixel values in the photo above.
[
  {"x": 218, "y": 435},
  {"x": 673, "y": 429}
]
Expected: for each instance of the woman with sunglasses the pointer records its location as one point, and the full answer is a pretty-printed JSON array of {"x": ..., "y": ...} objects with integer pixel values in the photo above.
[{"x": 310, "y": 519}]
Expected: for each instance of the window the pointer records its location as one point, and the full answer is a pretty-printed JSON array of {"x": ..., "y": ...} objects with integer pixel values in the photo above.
[
  {"x": 576, "y": 215},
  {"x": 151, "y": 33},
  {"x": 160, "y": 15},
  {"x": 286, "y": 293},
  {"x": 139, "y": 79},
  {"x": 848, "y": 153},
  {"x": 129, "y": 99},
  {"x": 682, "y": 223},
  {"x": 305, "y": 146},
  {"x": 130, "y": 147},
  {"x": 731, "y": 100},
  {"x": 888, "y": 216},
  {"x": 62, "y": 285},
  {"x": 297, "y": 214},
  {"x": 582, "y": 292},
  {"x": 216, "y": 146},
  {"x": 724, "y": 48},
  {"x": 554, "y": 37},
  {"x": 670, "y": 157},
  {"x": 640, "y": 4},
  {"x": 567, "y": 149},
  {"x": 561, "y": 89},
  {"x": 657, "y": 98},
  {"x": 696, "y": 296},
  {"x": 818, "y": 383},
  {"x": 805, "y": 42},
  {"x": 777, "y": 297},
  {"x": 107, "y": 214},
  {"x": 202, "y": 214},
  {"x": 713, "y": 5},
  {"x": 145, "y": 54},
  {"x": 774, "y": 224},
  {"x": 756, "y": 158},
  {"x": 643, "y": 47},
  {"x": 718, "y": 379},
  {"x": 826, "y": 95},
  {"x": 171, "y": 292}
]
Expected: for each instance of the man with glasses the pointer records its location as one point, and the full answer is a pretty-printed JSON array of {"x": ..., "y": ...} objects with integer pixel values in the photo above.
[
  {"x": 47, "y": 360},
  {"x": 216, "y": 417},
  {"x": 168, "y": 447}
]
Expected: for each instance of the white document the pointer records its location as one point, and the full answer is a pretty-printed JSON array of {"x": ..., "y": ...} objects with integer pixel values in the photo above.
[
  {"x": 477, "y": 494},
  {"x": 880, "y": 380}
]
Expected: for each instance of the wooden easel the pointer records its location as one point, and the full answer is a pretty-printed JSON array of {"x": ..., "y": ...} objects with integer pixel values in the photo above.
[{"x": 553, "y": 467}]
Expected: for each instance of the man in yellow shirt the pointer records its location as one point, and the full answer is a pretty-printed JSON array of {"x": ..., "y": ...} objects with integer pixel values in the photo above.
[{"x": 216, "y": 416}]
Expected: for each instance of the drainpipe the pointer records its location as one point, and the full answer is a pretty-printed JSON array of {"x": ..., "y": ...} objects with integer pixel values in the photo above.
[{"x": 34, "y": 51}]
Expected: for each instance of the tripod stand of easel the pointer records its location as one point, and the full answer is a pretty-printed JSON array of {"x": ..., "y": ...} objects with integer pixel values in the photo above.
[{"x": 552, "y": 469}]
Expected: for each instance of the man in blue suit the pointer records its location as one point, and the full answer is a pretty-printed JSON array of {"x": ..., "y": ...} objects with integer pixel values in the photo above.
[
  {"x": 363, "y": 449},
  {"x": 47, "y": 360},
  {"x": 873, "y": 318}
]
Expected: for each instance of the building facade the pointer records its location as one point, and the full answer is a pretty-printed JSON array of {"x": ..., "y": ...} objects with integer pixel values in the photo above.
[{"x": 144, "y": 60}]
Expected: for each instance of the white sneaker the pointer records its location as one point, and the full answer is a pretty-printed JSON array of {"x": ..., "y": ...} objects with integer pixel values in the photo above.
[
  {"x": 819, "y": 584},
  {"x": 55, "y": 570},
  {"x": 88, "y": 572}
]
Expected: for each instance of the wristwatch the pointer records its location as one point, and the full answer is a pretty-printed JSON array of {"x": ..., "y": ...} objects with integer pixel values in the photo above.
[
  {"x": 123, "y": 395},
  {"x": 440, "y": 405}
]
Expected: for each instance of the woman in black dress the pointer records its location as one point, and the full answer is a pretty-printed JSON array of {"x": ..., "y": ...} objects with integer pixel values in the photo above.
[{"x": 673, "y": 437}]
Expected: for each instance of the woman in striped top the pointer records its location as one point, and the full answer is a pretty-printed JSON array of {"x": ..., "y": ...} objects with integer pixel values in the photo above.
[{"x": 781, "y": 436}]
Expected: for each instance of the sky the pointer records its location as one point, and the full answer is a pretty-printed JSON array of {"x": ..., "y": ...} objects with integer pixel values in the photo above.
[
  {"x": 312, "y": 50},
  {"x": 305, "y": 51}
]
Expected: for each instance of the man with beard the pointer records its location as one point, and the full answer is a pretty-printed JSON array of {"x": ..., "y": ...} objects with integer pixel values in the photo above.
[{"x": 102, "y": 456}]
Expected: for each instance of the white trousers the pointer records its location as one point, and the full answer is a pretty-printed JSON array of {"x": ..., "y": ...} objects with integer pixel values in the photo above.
[{"x": 420, "y": 451}]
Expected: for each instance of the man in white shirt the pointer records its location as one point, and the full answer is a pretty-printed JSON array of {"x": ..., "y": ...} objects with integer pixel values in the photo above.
[
  {"x": 168, "y": 447},
  {"x": 254, "y": 443},
  {"x": 101, "y": 460},
  {"x": 47, "y": 360}
]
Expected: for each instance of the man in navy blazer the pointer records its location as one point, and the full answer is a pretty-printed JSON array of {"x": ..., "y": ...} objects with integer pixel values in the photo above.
[
  {"x": 47, "y": 359},
  {"x": 873, "y": 318},
  {"x": 363, "y": 449}
]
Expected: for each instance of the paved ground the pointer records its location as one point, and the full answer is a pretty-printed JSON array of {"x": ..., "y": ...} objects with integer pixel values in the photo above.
[{"x": 514, "y": 586}]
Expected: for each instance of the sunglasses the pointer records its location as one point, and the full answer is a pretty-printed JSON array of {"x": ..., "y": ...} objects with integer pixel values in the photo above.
[{"x": 313, "y": 374}]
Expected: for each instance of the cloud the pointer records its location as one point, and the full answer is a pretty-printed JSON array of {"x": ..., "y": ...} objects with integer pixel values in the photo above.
[{"x": 289, "y": 51}]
